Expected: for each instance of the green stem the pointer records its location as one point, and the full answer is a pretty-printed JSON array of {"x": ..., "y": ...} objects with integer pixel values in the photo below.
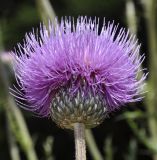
[
  {"x": 46, "y": 11},
  {"x": 131, "y": 16},
  {"x": 92, "y": 146},
  {"x": 19, "y": 128},
  {"x": 13, "y": 148},
  {"x": 108, "y": 148}
]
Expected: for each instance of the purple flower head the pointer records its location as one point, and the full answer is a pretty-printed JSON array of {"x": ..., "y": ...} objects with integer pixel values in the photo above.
[{"x": 74, "y": 58}]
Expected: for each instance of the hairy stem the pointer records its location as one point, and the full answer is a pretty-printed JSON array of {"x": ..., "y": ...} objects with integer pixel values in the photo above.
[{"x": 80, "y": 146}]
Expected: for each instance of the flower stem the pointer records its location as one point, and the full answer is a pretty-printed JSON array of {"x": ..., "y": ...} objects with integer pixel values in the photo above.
[{"x": 80, "y": 146}]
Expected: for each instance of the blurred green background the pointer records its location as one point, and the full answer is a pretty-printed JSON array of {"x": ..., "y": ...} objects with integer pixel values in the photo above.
[{"x": 129, "y": 134}]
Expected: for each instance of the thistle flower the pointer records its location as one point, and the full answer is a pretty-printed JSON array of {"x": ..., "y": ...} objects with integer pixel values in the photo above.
[{"x": 78, "y": 73}]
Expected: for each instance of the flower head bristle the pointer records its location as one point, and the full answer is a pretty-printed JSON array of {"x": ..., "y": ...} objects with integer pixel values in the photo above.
[{"x": 70, "y": 60}]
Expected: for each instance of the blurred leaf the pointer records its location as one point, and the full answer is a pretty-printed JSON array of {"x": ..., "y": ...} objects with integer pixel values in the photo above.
[
  {"x": 108, "y": 148},
  {"x": 132, "y": 150},
  {"x": 48, "y": 148},
  {"x": 22, "y": 21},
  {"x": 131, "y": 115},
  {"x": 141, "y": 135}
]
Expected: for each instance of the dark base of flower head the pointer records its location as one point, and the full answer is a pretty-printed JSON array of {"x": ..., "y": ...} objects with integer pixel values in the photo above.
[{"x": 85, "y": 108}]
